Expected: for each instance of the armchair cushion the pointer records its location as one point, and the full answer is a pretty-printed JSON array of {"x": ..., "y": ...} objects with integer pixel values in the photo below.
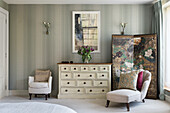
[
  {"x": 42, "y": 75},
  {"x": 128, "y": 80},
  {"x": 38, "y": 84},
  {"x": 140, "y": 81}
]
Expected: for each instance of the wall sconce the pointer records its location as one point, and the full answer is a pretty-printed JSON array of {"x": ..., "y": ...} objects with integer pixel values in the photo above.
[
  {"x": 47, "y": 26},
  {"x": 123, "y": 25}
]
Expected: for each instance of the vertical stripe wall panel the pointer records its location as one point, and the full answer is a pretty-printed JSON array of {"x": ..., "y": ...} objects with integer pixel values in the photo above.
[
  {"x": 3, "y": 4},
  {"x": 31, "y": 48}
]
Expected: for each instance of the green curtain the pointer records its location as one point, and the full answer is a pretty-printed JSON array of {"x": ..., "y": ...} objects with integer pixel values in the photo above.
[{"x": 157, "y": 27}]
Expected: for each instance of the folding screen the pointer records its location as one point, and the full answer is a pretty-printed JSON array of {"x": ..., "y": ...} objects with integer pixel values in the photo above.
[{"x": 132, "y": 52}]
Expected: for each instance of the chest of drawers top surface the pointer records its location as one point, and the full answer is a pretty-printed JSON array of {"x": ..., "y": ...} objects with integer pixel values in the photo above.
[{"x": 85, "y": 63}]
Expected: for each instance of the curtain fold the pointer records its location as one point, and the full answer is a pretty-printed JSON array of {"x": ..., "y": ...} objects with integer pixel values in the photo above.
[{"x": 157, "y": 27}]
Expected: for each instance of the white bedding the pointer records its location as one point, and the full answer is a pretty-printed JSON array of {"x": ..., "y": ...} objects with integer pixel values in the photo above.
[{"x": 34, "y": 107}]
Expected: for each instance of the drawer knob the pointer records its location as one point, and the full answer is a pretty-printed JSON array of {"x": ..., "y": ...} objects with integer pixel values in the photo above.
[
  {"x": 104, "y": 68},
  {"x": 74, "y": 68},
  {"x": 84, "y": 82},
  {"x": 90, "y": 75},
  {"x": 64, "y": 68},
  {"x": 101, "y": 83},
  {"x": 102, "y": 75},
  {"x": 90, "y": 90},
  {"x": 78, "y": 90},
  {"x": 78, "y": 75},
  {"x": 94, "y": 68},
  {"x": 66, "y": 90},
  {"x": 103, "y": 90},
  {"x": 66, "y": 75},
  {"x": 68, "y": 82},
  {"x": 84, "y": 68}
]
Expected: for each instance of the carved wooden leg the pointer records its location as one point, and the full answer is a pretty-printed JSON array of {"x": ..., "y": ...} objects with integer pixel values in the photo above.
[
  {"x": 127, "y": 105},
  {"x": 46, "y": 96},
  {"x": 107, "y": 103},
  {"x": 30, "y": 95},
  {"x": 35, "y": 95},
  {"x": 143, "y": 101}
]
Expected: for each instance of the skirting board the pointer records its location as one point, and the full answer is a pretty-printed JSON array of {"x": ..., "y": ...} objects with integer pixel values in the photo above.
[
  {"x": 167, "y": 98},
  {"x": 3, "y": 94},
  {"x": 25, "y": 93}
]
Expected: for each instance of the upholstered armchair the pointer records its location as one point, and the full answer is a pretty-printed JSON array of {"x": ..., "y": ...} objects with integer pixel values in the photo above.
[
  {"x": 127, "y": 95},
  {"x": 40, "y": 84}
]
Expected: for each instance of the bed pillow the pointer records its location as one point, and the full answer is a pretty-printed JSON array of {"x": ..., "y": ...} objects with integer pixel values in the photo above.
[
  {"x": 42, "y": 75},
  {"x": 128, "y": 80},
  {"x": 140, "y": 81}
]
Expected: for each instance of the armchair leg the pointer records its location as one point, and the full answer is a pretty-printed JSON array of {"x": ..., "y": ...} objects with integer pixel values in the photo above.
[
  {"x": 127, "y": 105},
  {"x": 143, "y": 101},
  {"x": 107, "y": 103},
  {"x": 30, "y": 96},
  {"x": 46, "y": 96}
]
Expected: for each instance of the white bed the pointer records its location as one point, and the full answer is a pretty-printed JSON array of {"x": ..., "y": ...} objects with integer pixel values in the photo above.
[{"x": 34, "y": 107}]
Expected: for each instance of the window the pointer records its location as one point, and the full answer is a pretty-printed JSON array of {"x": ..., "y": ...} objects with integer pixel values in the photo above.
[{"x": 167, "y": 46}]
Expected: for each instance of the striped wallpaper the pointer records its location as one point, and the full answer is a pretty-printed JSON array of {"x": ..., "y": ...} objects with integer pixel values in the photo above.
[
  {"x": 3, "y": 4},
  {"x": 31, "y": 48}
]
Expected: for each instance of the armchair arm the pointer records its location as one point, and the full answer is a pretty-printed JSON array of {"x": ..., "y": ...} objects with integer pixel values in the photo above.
[
  {"x": 30, "y": 79},
  {"x": 145, "y": 85},
  {"x": 50, "y": 82},
  {"x": 144, "y": 89}
]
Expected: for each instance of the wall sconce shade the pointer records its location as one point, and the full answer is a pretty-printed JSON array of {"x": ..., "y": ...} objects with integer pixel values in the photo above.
[
  {"x": 123, "y": 25},
  {"x": 47, "y": 26}
]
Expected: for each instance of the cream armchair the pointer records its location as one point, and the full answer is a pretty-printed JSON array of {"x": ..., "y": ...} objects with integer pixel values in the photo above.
[
  {"x": 127, "y": 96},
  {"x": 40, "y": 88}
]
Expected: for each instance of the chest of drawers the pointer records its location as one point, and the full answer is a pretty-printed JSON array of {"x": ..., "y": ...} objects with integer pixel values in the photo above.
[{"x": 84, "y": 80}]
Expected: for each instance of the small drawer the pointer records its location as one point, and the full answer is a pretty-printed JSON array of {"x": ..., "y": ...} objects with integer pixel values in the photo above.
[
  {"x": 100, "y": 83},
  {"x": 72, "y": 90},
  {"x": 84, "y": 68},
  {"x": 84, "y": 83},
  {"x": 65, "y": 68},
  {"x": 66, "y": 75},
  {"x": 68, "y": 83},
  {"x": 84, "y": 75},
  {"x": 102, "y": 75},
  {"x": 94, "y": 68},
  {"x": 104, "y": 68},
  {"x": 96, "y": 90},
  {"x": 74, "y": 68}
]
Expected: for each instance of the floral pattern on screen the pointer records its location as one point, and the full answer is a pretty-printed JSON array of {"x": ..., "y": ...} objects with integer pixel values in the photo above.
[
  {"x": 122, "y": 57},
  {"x": 123, "y": 54}
]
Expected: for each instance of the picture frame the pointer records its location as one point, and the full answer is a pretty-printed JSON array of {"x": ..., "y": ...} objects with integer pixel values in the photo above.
[{"x": 86, "y": 30}]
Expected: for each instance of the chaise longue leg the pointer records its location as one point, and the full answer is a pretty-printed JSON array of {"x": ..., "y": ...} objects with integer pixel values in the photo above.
[
  {"x": 143, "y": 101},
  {"x": 107, "y": 103},
  {"x": 30, "y": 95},
  {"x": 127, "y": 105}
]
